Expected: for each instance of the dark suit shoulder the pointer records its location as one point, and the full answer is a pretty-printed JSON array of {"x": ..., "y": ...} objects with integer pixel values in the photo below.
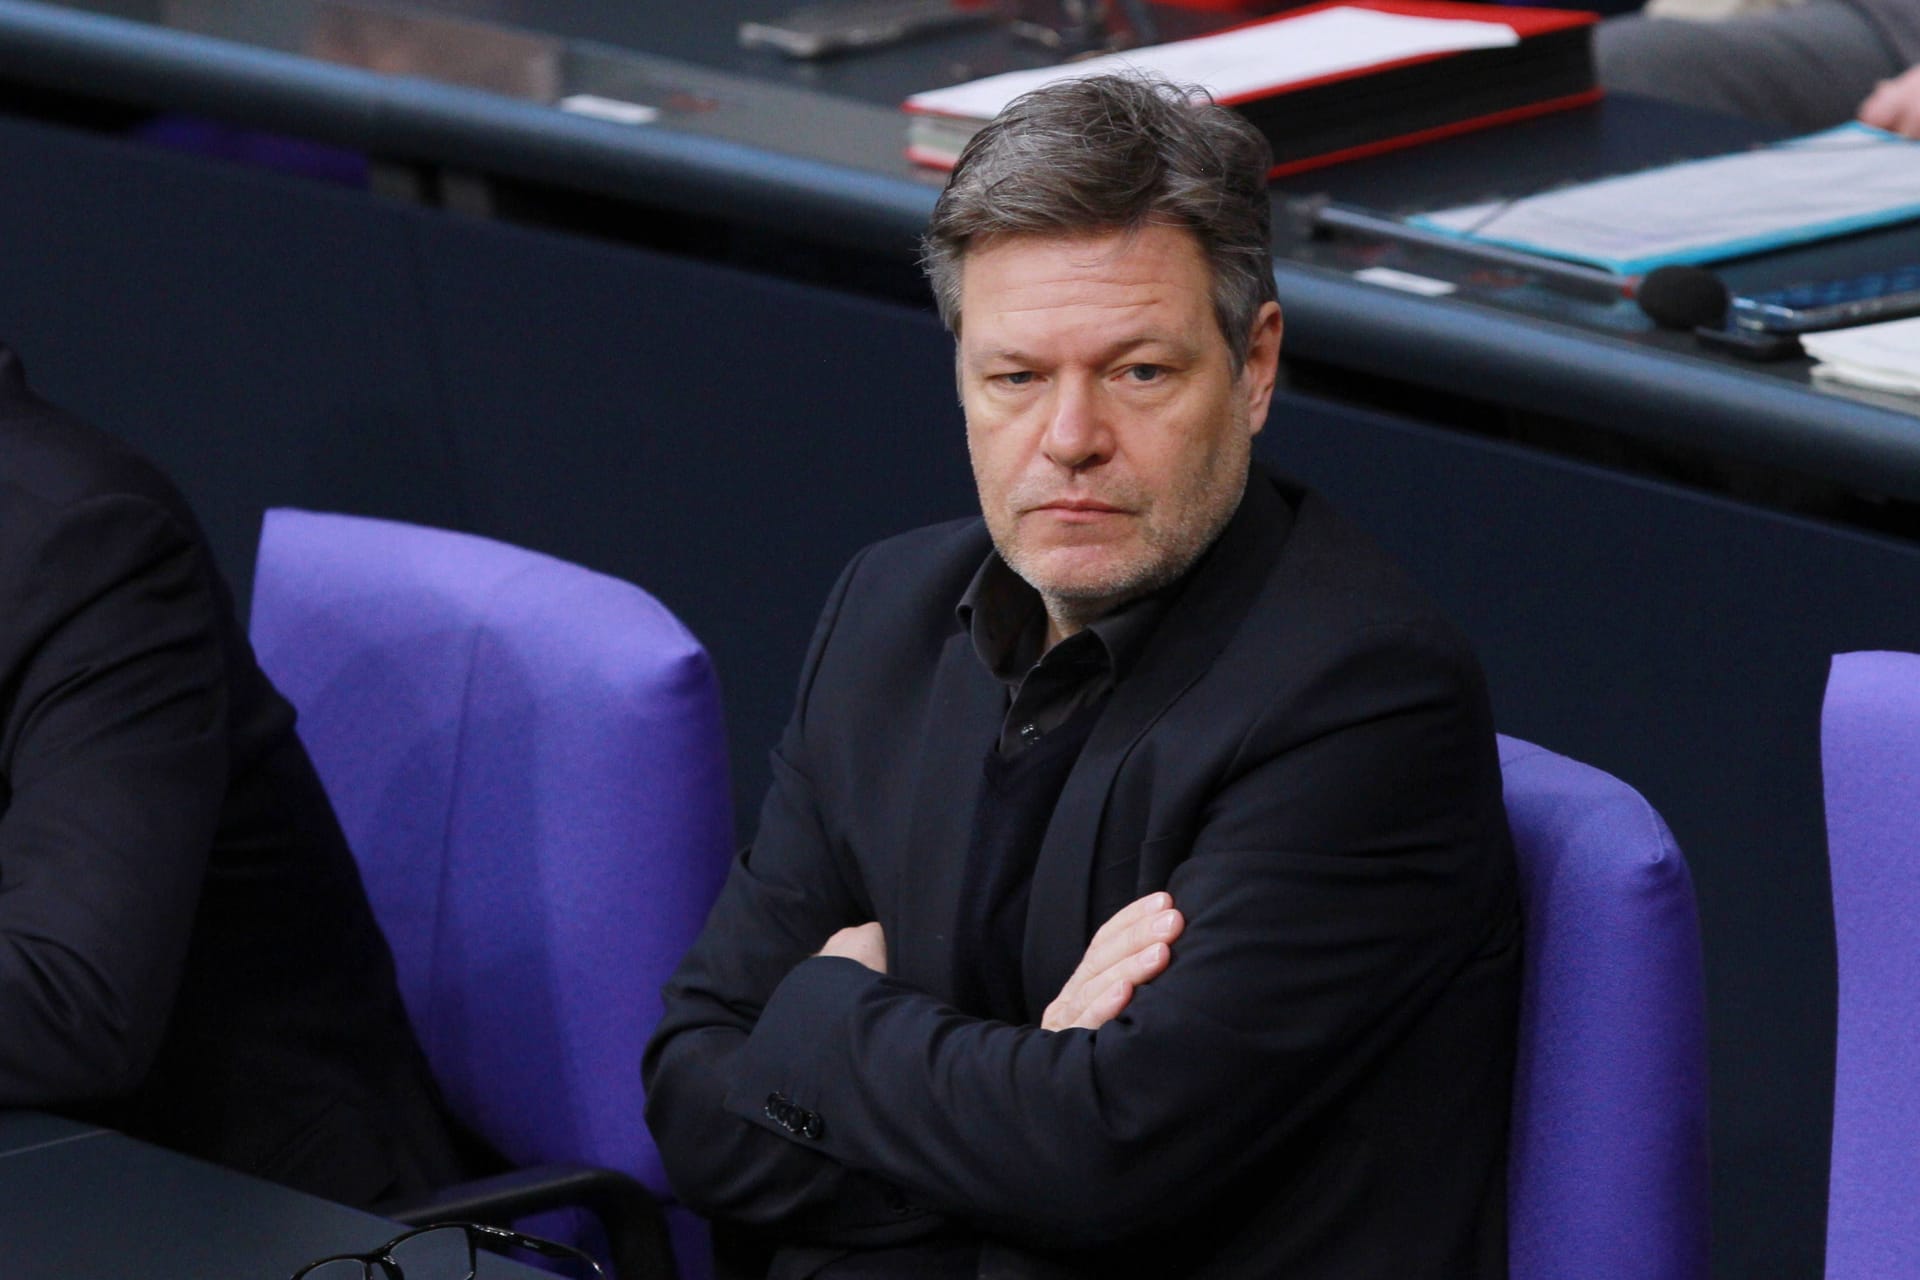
[
  {"x": 910, "y": 583},
  {"x": 920, "y": 557},
  {"x": 1329, "y": 629},
  {"x": 83, "y": 516},
  {"x": 75, "y": 553},
  {"x": 884, "y": 627},
  {"x": 1334, "y": 570},
  {"x": 1344, "y": 570},
  {"x": 51, "y": 461}
]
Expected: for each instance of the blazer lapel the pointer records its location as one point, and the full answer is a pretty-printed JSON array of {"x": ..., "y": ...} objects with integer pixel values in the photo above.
[
  {"x": 963, "y": 716},
  {"x": 1198, "y": 624}
]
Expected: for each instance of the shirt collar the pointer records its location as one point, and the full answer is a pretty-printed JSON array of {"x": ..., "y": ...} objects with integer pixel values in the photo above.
[{"x": 1004, "y": 617}]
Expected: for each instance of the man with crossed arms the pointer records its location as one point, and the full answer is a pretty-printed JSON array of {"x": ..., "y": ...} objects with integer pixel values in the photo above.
[{"x": 1134, "y": 894}]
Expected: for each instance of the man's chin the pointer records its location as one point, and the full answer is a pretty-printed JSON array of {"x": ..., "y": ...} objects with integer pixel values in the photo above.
[{"x": 1088, "y": 582}]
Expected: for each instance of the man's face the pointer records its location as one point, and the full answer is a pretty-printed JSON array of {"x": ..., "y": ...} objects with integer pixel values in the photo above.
[{"x": 1108, "y": 431}]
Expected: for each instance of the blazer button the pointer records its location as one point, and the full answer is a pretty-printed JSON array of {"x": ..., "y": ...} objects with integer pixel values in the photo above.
[
  {"x": 811, "y": 1126},
  {"x": 779, "y": 1110}
]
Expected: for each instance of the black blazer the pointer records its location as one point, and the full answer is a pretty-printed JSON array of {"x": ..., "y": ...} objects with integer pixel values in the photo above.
[
  {"x": 1318, "y": 1084},
  {"x": 186, "y": 952}
]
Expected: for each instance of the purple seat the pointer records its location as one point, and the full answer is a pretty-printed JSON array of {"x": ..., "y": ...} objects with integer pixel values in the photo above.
[
  {"x": 1870, "y": 753},
  {"x": 1607, "y": 1166},
  {"x": 529, "y": 762}
]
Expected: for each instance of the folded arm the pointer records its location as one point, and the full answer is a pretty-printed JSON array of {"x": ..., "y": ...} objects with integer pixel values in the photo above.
[
  {"x": 785, "y": 897},
  {"x": 1338, "y": 884},
  {"x": 1130, "y": 950}
]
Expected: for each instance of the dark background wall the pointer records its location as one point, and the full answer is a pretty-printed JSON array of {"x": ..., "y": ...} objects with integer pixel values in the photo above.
[{"x": 726, "y": 440}]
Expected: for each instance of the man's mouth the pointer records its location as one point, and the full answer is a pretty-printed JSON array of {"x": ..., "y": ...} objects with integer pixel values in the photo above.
[{"x": 1080, "y": 506}]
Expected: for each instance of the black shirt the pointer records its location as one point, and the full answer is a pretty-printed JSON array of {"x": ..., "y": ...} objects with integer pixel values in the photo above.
[{"x": 1007, "y": 622}]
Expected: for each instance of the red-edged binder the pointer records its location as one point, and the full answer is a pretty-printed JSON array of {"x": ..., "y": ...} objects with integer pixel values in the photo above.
[
  {"x": 1225, "y": 6},
  {"x": 1380, "y": 106}
]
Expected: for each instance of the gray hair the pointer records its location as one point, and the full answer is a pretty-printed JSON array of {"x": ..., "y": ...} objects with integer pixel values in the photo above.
[{"x": 1115, "y": 152}]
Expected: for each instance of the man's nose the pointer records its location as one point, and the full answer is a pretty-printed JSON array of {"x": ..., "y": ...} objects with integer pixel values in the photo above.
[{"x": 1078, "y": 434}]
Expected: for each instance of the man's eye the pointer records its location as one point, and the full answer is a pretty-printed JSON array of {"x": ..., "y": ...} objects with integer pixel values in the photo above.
[
  {"x": 1146, "y": 372},
  {"x": 1018, "y": 378}
]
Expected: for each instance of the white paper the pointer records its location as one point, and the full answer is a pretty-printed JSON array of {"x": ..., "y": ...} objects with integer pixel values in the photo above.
[
  {"x": 1884, "y": 356},
  {"x": 1826, "y": 184},
  {"x": 1868, "y": 378},
  {"x": 618, "y": 110},
  {"x": 1405, "y": 281},
  {"x": 1246, "y": 60}
]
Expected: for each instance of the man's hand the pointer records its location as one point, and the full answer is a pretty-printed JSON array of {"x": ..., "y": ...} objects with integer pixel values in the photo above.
[
  {"x": 1129, "y": 951},
  {"x": 1895, "y": 104},
  {"x": 866, "y": 943}
]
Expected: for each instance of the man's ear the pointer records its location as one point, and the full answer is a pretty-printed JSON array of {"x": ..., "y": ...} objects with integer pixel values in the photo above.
[{"x": 1262, "y": 368}]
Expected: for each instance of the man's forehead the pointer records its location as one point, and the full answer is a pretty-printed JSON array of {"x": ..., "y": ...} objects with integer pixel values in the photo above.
[
  {"x": 1087, "y": 243},
  {"x": 1109, "y": 266}
]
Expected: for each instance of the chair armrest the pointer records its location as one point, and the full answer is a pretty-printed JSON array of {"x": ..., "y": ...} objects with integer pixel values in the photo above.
[{"x": 635, "y": 1226}]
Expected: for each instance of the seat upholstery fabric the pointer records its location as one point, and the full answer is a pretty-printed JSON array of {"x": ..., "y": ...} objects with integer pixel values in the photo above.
[
  {"x": 1607, "y": 1167},
  {"x": 1870, "y": 755},
  {"x": 529, "y": 762}
]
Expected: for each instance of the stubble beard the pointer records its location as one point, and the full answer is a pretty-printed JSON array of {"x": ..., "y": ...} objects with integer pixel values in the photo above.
[{"x": 1166, "y": 548}]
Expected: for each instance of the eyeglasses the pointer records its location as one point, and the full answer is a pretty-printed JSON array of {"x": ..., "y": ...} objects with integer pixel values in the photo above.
[{"x": 441, "y": 1251}]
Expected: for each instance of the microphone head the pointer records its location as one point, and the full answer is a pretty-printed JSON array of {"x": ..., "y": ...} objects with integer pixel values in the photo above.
[{"x": 1677, "y": 297}]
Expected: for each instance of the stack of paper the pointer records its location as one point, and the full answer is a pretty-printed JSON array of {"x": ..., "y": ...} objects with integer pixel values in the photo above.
[
  {"x": 1826, "y": 184},
  {"x": 1246, "y": 60},
  {"x": 1330, "y": 81},
  {"x": 1885, "y": 357}
]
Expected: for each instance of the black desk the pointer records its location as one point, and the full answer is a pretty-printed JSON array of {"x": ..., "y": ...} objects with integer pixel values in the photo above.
[
  {"x": 83, "y": 1203},
  {"x": 814, "y": 151}
]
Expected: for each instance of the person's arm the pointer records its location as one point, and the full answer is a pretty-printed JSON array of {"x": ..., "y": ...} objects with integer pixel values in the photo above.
[
  {"x": 786, "y": 895},
  {"x": 113, "y": 756},
  {"x": 1131, "y": 949},
  {"x": 1895, "y": 104},
  {"x": 1342, "y": 879}
]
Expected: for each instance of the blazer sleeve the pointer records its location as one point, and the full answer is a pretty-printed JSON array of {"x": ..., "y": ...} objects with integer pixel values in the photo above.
[
  {"x": 784, "y": 897},
  {"x": 113, "y": 754},
  {"x": 1348, "y": 866}
]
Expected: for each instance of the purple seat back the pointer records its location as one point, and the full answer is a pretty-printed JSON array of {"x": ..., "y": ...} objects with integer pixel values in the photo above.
[
  {"x": 1607, "y": 1166},
  {"x": 529, "y": 762},
  {"x": 1870, "y": 753}
]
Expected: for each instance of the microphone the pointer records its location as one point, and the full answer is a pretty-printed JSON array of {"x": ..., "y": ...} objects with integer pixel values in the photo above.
[{"x": 1678, "y": 297}]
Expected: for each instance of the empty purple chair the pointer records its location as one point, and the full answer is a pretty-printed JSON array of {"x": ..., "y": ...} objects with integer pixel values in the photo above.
[
  {"x": 1870, "y": 754},
  {"x": 529, "y": 762},
  {"x": 1607, "y": 1167}
]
